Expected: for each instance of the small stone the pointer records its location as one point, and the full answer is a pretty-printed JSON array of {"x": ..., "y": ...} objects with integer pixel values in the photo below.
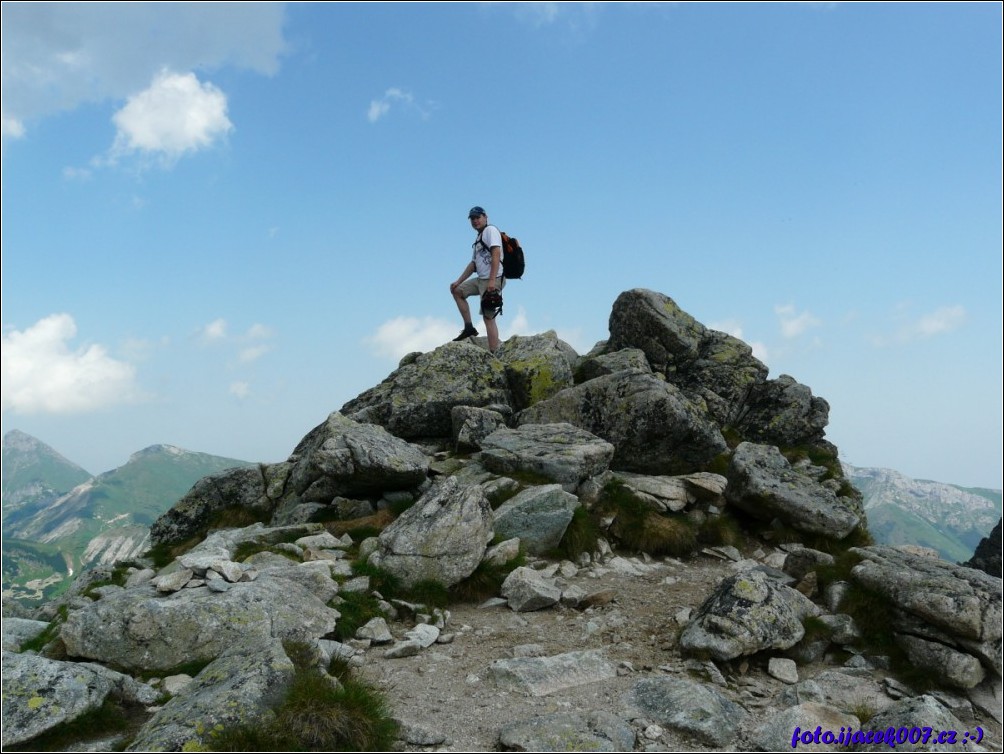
[{"x": 783, "y": 669}]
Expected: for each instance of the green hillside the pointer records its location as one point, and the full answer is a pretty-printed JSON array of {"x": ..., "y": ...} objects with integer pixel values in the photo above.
[
  {"x": 34, "y": 475},
  {"x": 118, "y": 505}
]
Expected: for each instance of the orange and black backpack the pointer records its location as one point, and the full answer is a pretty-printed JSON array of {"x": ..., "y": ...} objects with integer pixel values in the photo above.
[{"x": 513, "y": 262}]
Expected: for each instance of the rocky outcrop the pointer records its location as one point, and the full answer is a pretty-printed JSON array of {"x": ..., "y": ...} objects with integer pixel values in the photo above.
[
  {"x": 442, "y": 537},
  {"x": 716, "y": 368},
  {"x": 987, "y": 557},
  {"x": 947, "y": 617},
  {"x": 653, "y": 426},
  {"x": 537, "y": 516},
  {"x": 537, "y": 367},
  {"x": 40, "y": 694},
  {"x": 748, "y": 613},
  {"x": 238, "y": 687},
  {"x": 713, "y": 648},
  {"x": 557, "y": 452},
  {"x": 762, "y": 482},
  {"x": 416, "y": 400}
]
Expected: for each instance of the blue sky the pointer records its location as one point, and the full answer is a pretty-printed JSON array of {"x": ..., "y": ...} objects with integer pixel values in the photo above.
[{"x": 221, "y": 222}]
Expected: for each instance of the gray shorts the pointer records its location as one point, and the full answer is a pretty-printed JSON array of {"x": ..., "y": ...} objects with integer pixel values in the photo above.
[{"x": 477, "y": 287}]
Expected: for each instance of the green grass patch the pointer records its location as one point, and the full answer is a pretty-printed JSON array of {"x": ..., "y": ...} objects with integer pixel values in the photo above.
[
  {"x": 720, "y": 530},
  {"x": 108, "y": 719},
  {"x": 486, "y": 581},
  {"x": 581, "y": 535},
  {"x": 640, "y": 528},
  {"x": 356, "y": 609},
  {"x": 429, "y": 593},
  {"x": 318, "y": 713}
]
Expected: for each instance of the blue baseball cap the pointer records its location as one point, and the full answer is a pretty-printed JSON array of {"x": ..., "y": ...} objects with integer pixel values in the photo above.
[{"x": 476, "y": 212}]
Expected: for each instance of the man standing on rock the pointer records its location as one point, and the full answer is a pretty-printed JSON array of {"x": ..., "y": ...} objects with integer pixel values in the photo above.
[{"x": 487, "y": 262}]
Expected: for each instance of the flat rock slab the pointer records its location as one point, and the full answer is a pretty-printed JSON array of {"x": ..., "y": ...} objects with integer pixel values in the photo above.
[
  {"x": 689, "y": 707},
  {"x": 597, "y": 731},
  {"x": 540, "y": 676}
]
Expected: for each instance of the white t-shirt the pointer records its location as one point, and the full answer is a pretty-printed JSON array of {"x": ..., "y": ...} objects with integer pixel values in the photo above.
[{"x": 482, "y": 256}]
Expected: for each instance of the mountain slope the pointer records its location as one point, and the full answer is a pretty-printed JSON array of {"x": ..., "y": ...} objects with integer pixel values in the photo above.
[
  {"x": 33, "y": 476},
  {"x": 945, "y": 517},
  {"x": 104, "y": 519}
]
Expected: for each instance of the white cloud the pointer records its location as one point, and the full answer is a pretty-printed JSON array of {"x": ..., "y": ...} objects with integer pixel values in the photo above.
[
  {"x": 57, "y": 56},
  {"x": 41, "y": 374},
  {"x": 944, "y": 319},
  {"x": 395, "y": 97},
  {"x": 174, "y": 115},
  {"x": 258, "y": 332},
  {"x": 215, "y": 330},
  {"x": 253, "y": 353},
  {"x": 403, "y": 335},
  {"x": 240, "y": 389},
  {"x": 11, "y": 128},
  {"x": 794, "y": 324}
]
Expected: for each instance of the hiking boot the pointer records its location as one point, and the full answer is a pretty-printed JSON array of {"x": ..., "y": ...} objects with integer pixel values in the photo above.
[{"x": 469, "y": 331}]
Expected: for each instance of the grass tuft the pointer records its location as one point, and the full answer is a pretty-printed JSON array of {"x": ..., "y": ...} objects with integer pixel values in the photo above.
[{"x": 582, "y": 535}]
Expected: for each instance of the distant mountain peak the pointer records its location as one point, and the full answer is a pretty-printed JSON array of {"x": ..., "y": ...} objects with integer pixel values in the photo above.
[{"x": 159, "y": 450}]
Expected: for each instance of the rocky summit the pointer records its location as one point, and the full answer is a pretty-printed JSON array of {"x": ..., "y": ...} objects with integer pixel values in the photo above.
[{"x": 649, "y": 547}]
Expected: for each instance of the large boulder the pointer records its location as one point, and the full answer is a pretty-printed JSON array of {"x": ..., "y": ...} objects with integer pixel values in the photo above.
[
  {"x": 559, "y": 452},
  {"x": 653, "y": 426},
  {"x": 233, "y": 488},
  {"x": 537, "y": 367},
  {"x": 142, "y": 629},
  {"x": 689, "y": 707},
  {"x": 783, "y": 412},
  {"x": 416, "y": 399},
  {"x": 537, "y": 516},
  {"x": 237, "y": 688},
  {"x": 747, "y": 613},
  {"x": 711, "y": 365},
  {"x": 40, "y": 694},
  {"x": 341, "y": 457},
  {"x": 987, "y": 557},
  {"x": 442, "y": 537},
  {"x": 952, "y": 613},
  {"x": 673, "y": 493},
  {"x": 763, "y": 483}
]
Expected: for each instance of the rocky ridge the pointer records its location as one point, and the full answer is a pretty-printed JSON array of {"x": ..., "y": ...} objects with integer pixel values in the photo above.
[{"x": 721, "y": 600}]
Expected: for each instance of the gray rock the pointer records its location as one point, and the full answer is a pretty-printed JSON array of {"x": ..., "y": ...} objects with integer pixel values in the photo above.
[
  {"x": 987, "y": 557},
  {"x": 779, "y": 731},
  {"x": 653, "y": 427},
  {"x": 442, "y": 537},
  {"x": 802, "y": 560},
  {"x": 376, "y": 631},
  {"x": 763, "y": 483},
  {"x": 954, "y": 668},
  {"x": 343, "y": 458},
  {"x": 135, "y": 629},
  {"x": 417, "y": 398},
  {"x": 537, "y": 517},
  {"x": 785, "y": 413},
  {"x": 843, "y": 690},
  {"x": 568, "y": 731},
  {"x": 690, "y": 707},
  {"x": 918, "y": 712},
  {"x": 503, "y": 552},
  {"x": 527, "y": 590},
  {"x": 39, "y": 693},
  {"x": 559, "y": 452},
  {"x": 471, "y": 425},
  {"x": 610, "y": 363},
  {"x": 173, "y": 580},
  {"x": 237, "y": 688},
  {"x": 747, "y": 613},
  {"x": 672, "y": 493},
  {"x": 783, "y": 669},
  {"x": 175, "y": 684},
  {"x": 234, "y": 488},
  {"x": 960, "y": 607},
  {"x": 418, "y": 734},
  {"x": 713, "y": 367},
  {"x": 16, "y": 631},
  {"x": 842, "y": 628},
  {"x": 540, "y": 676},
  {"x": 537, "y": 367}
]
